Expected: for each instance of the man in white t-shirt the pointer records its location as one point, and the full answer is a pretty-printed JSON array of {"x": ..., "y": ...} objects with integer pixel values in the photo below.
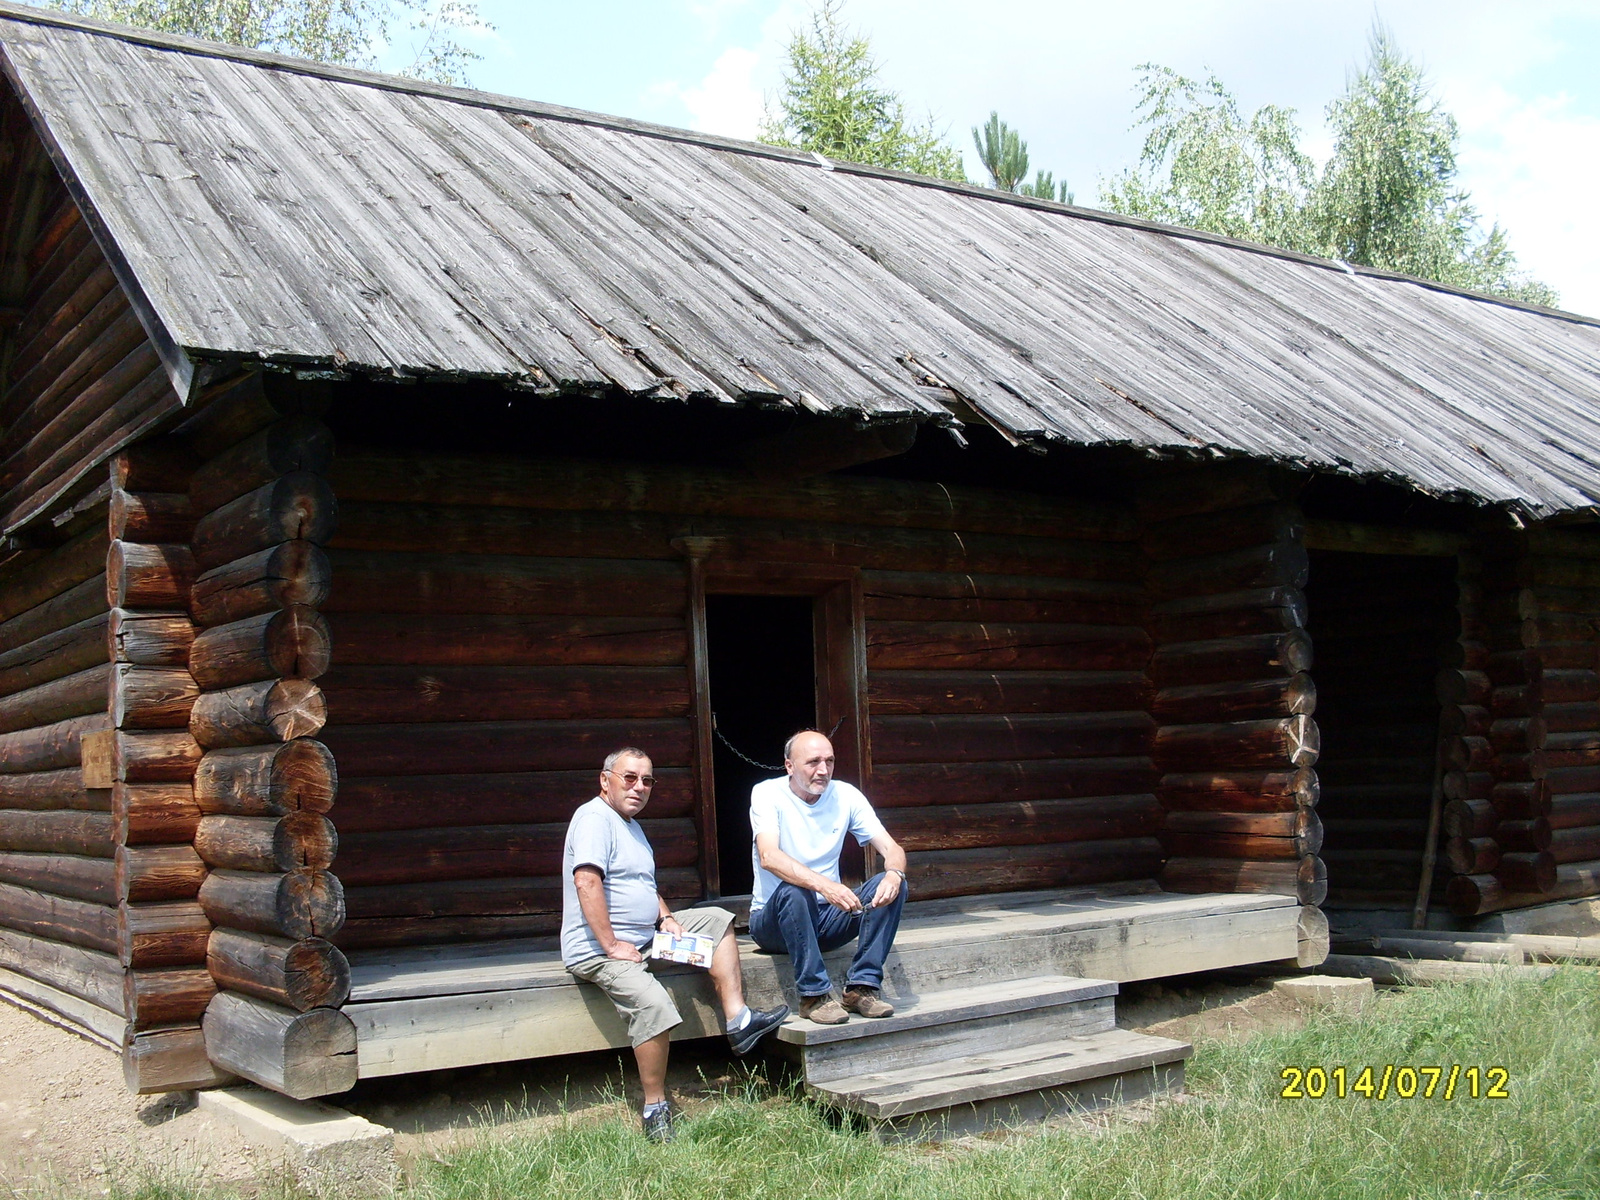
[{"x": 798, "y": 825}]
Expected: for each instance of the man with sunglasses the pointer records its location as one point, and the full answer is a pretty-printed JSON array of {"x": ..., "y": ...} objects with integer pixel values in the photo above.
[{"x": 610, "y": 913}]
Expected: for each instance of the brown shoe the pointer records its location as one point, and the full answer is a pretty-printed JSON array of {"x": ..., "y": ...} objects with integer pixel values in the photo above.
[
  {"x": 824, "y": 1010},
  {"x": 866, "y": 1002}
]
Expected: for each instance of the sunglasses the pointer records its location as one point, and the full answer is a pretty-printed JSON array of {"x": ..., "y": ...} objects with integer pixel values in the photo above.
[{"x": 630, "y": 778}]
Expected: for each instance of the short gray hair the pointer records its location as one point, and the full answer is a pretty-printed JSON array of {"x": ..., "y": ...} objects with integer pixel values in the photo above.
[
  {"x": 788, "y": 746},
  {"x": 625, "y": 752}
]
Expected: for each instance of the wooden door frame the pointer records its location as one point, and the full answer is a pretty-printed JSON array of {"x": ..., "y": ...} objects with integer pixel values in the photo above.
[{"x": 839, "y": 641}]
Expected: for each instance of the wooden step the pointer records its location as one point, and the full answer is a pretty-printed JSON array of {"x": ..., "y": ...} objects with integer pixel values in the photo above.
[
  {"x": 1013, "y": 1086},
  {"x": 952, "y": 1024}
]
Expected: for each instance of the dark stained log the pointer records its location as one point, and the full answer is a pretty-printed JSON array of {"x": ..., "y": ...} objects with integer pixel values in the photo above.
[
  {"x": 1220, "y": 702},
  {"x": 61, "y": 832},
  {"x": 300, "y": 904},
  {"x": 61, "y": 653},
  {"x": 62, "y": 331},
  {"x": 1575, "y": 845},
  {"x": 1464, "y": 720},
  {"x": 74, "y": 876},
  {"x": 1469, "y": 895},
  {"x": 46, "y": 790},
  {"x": 1521, "y": 799},
  {"x": 1268, "y": 610},
  {"x": 149, "y": 576},
  {"x": 152, "y": 697},
  {"x": 1014, "y": 868},
  {"x": 169, "y": 1060},
  {"x": 235, "y": 409},
  {"x": 1467, "y": 754},
  {"x": 486, "y": 851},
  {"x": 910, "y": 785},
  {"x": 58, "y": 918},
  {"x": 1517, "y": 735},
  {"x": 445, "y": 749},
  {"x": 292, "y": 573},
  {"x": 1351, "y": 537},
  {"x": 1561, "y": 543},
  {"x": 1218, "y": 532},
  {"x": 155, "y": 814},
  {"x": 517, "y": 896},
  {"x": 146, "y": 873},
  {"x": 529, "y": 798},
  {"x": 1018, "y": 599},
  {"x": 1527, "y": 871},
  {"x": 153, "y": 517},
  {"x": 77, "y": 695},
  {"x": 150, "y": 639},
  {"x": 159, "y": 465},
  {"x": 1511, "y": 668},
  {"x": 300, "y": 1055},
  {"x": 1241, "y": 845},
  {"x": 155, "y": 757},
  {"x": 82, "y": 602},
  {"x": 298, "y": 505},
  {"x": 1568, "y": 656},
  {"x": 50, "y": 577},
  {"x": 959, "y": 645},
  {"x": 166, "y": 995},
  {"x": 817, "y": 448},
  {"x": 391, "y": 695},
  {"x": 1550, "y": 628},
  {"x": 1211, "y": 488},
  {"x": 1575, "y": 810},
  {"x": 171, "y": 934},
  {"x": 263, "y": 781},
  {"x": 1530, "y": 834},
  {"x": 300, "y": 975},
  {"x": 1565, "y": 781},
  {"x": 1471, "y": 856},
  {"x": 1297, "y": 823},
  {"x": 1517, "y": 767},
  {"x": 1468, "y": 785},
  {"x": 278, "y": 710},
  {"x": 1025, "y": 823},
  {"x": 379, "y": 639},
  {"x": 85, "y": 973},
  {"x": 1280, "y": 564},
  {"x": 290, "y": 643},
  {"x": 1279, "y": 743},
  {"x": 1470, "y": 818},
  {"x": 485, "y": 584},
  {"x": 1307, "y": 879},
  {"x": 1228, "y": 660},
  {"x": 1544, "y": 573},
  {"x": 294, "y": 444},
  {"x": 1241, "y": 791},
  {"x": 1462, "y": 687},
  {"x": 298, "y": 839},
  {"x": 521, "y": 482},
  {"x": 930, "y": 693},
  {"x": 1523, "y": 700},
  {"x": 988, "y": 739}
]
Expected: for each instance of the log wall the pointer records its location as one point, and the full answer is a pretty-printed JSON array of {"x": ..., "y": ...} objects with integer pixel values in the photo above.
[{"x": 1236, "y": 741}]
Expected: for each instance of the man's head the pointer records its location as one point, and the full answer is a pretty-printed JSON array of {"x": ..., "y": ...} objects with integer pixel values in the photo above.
[
  {"x": 808, "y": 761},
  {"x": 625, "y": 781}
]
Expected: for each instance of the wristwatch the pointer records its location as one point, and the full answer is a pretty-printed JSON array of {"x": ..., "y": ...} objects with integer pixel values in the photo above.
[
  {"x": 896, "y": 871},
  {"x": 662, "y": 919}
]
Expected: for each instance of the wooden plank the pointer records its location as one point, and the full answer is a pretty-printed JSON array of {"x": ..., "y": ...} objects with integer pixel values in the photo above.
[
  {"x": 958, "y": 645},
  {"x": 169, "y": 1060},
  {"x": 941, "y": 692},
  {"x": 508, "y": 640},
  {"x": 1022, "y": 823},
  {"x": 406, "y": 695},
  {"x": 981, "y": 738},
  {"x": 910, "y": 784},
  {"x": 495, "y": 746},
  {"x": 90, "y": 975},
  {"x": 78, "y": 1014}
]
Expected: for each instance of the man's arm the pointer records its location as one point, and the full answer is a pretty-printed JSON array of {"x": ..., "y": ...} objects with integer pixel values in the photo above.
[
  {"x": 665, "y": 921},
  {"x": 591, "y": 887},
  {"x": 894, "y": 859},
  {"x": 791, "y": 871}
]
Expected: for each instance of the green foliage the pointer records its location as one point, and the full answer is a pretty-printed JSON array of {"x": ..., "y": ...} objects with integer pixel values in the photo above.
[
  {"x": 1003, "y": 153},
  {"x": 333, "y": 31},
  {"x": 1044, "y": 187},
  {"x": 832, "y": 104},
  {"x": 1386, "y": 198}
]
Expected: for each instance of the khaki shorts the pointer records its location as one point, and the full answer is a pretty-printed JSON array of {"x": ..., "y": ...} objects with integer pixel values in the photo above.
[{"x": 635, "y": 990}]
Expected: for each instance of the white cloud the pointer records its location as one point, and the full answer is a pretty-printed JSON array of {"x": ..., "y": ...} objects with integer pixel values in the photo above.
[{"x": 727, "y": 100}]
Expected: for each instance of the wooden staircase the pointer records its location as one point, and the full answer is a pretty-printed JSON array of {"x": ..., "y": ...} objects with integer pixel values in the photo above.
[{"x": 964, "y": 1060}]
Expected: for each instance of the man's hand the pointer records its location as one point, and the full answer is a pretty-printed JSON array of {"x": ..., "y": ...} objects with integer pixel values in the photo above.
[
  {"x": 624, "y": 952},
  {"x": 669, "y": 924},
  {"x": 888, "y": 889},
  {"x": 840, "y": 896}
]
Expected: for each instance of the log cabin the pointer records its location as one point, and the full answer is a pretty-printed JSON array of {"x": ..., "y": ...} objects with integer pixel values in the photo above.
[{"x": 376, "y": 456}]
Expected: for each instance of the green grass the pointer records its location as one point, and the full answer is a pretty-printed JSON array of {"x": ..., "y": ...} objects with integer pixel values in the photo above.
[{"x": 1234, "y": 1138}]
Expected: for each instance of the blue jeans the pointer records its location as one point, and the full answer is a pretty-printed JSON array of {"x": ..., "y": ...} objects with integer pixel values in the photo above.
[{"x": 795, "y": 922}]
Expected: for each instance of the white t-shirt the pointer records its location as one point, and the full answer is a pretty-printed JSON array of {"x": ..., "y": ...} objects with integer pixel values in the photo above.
[{"x": 811, "y": 834}]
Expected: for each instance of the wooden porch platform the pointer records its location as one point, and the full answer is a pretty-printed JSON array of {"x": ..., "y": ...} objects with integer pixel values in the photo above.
[{"x": 452, "y": 1006}]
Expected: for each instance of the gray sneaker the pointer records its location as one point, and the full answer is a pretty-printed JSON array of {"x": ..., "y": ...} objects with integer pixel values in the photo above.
[{"x": 658, "y": 1125}]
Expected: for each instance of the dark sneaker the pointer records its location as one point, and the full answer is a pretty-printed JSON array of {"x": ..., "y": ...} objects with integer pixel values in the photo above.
[
  {"x": 762, "y": 1022},
  {"x": 866, "y": 1002},
  {"x": 824, "y": 1010},
  {"x": 658, "y": 1125}
]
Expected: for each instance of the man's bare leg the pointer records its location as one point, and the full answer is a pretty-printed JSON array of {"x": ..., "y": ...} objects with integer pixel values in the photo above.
[
  {"x": 726, "y": 976},
  {"x": 652, "y": 1059}
]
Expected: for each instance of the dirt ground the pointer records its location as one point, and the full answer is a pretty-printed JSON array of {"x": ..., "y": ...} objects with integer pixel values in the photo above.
[{"x": 67, "y": 1119}]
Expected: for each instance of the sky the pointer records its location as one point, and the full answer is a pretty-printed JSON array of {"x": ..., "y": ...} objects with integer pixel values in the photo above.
[{"x": 1523, "y": 81}]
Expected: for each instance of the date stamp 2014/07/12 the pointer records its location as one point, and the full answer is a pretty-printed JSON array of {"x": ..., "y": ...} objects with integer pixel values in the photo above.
[{"x": 1403, "y": 1083}]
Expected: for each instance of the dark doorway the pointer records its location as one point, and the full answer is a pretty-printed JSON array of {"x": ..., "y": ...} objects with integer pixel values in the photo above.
[{"x": 763, "y": 685}]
